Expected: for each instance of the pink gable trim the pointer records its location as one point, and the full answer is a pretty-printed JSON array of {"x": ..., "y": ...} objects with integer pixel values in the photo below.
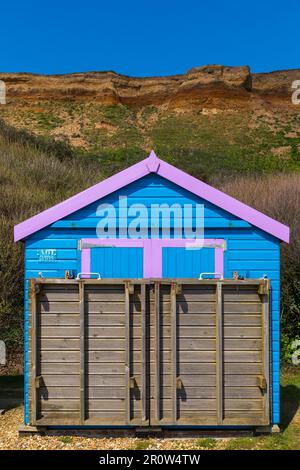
[
  {"x": 80, "y": 200},
  {"x": 137, "y": 171},
  {"x": 228, "y": 203}
]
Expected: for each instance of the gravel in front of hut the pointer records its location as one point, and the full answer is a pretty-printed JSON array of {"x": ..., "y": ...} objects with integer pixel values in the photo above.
[
  {"x": 67, "y": 440},
  {"x": 289, "y": 439}
]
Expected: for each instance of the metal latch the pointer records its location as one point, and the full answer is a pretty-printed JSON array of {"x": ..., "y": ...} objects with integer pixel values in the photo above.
[
  {"x": 263, "y": 288},
  {"x": 38, "y": 381},
  {"x": 177, "y": 287},
  {"x": 37, "y": 288},
  {"x": 261, "y": 382},
  {"x": 179, "y": 383},
  {"x": 132, "y": 382},
  {"x": 129, "y": 287}
]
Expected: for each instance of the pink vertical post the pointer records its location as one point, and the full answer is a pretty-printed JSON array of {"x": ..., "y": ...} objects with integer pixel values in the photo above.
[
  {"x": 147, "y": 256},
  {"x": 219, "y": 260},
  {"x": 156, "y": 258},
  {"x": 86, "y": 261}
]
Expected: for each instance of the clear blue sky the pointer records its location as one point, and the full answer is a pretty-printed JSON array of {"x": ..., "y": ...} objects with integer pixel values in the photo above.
[{"x": 147, "y": 37}]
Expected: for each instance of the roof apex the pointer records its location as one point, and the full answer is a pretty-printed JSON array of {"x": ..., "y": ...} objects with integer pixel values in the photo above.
[{"x": 151, "y": 164}]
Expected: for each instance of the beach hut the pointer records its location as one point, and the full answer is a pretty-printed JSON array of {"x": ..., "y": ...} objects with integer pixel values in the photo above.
[{"x": 152, "y": 300}]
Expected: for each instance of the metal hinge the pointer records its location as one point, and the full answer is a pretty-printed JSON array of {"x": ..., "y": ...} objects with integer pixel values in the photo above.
[
  {"x": 261, "y": 382},
  {"x": 263, "y": 288},
  {"x": 38, "y": 381},
  {"x": 37, "y": 288},
  {"x": 179, "y": 383},
  {"x": 130, "y": 287},
  {"x": 177, "y": 287},
  {"x": 132, "y": 382}
]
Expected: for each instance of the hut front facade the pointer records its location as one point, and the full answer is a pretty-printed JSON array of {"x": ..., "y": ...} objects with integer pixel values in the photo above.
[{"x": 152, "y": 298}]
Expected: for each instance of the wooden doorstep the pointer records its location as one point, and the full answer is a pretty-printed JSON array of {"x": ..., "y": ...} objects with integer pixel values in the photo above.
[
  {"x": 154, "y": 432},
  {"x": 26, "y": 430}
]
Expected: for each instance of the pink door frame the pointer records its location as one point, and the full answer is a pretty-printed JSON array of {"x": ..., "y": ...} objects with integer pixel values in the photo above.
[{"x": 152, "y": 251}]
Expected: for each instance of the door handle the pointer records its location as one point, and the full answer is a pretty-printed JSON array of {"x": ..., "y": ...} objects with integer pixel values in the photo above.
[
  {"x": 38, "y": 381},
  {"x": 261, "y": 383},
  {"x": 79, "y": 275},
  {"x": 211, "y": 274},
  {"x": 132, "y": 382},
  {"x": 179, "y": 383}
]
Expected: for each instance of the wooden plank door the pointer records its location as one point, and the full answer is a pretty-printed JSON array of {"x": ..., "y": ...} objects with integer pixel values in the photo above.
[
  {"x": 183, "y": 355},
  {"x": 89, "y": 350},
  {"x": 115, "y": 352},
  {"x": 55, "y": 354},
  {"x": 246, "y": 391},
  {"x": 209, "y": 354}
]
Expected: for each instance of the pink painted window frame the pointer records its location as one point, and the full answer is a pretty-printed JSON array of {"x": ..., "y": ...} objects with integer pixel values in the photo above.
[{"x": 152, "y": 251}]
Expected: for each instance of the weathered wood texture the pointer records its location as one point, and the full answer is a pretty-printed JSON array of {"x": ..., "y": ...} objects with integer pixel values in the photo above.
[
  {"x": 58, "y": 352},
  {"x": 156, "y": 353},
  {"x": 237, "y": 302}
]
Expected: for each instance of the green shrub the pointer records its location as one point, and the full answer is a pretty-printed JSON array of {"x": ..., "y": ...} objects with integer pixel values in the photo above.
[{"x": 287, "y": 348}]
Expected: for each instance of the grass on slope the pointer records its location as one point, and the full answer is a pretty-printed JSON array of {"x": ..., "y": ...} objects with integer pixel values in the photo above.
[{"x": 203, "y": 143}]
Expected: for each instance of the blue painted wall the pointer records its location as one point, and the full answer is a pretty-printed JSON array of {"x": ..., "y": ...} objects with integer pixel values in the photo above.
[
  {"x": 117, "y": 262},
  {"x": 180, "y": 262},
  {"x": 250, "y": 251}
]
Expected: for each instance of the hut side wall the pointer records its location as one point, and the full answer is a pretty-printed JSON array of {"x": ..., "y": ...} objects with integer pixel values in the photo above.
[{"x": 250, "y": 251}]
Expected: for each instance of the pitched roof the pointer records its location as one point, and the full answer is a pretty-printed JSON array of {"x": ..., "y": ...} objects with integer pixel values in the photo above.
[{"x": 151, "y": 164}]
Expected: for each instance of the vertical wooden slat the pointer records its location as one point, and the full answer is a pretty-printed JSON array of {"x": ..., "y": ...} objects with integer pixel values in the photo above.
[
  {"x": 144, "y": 356},
  {"x": 82, "y": 355},
  {"x": 174, "y": 352},
  {"x": 266, "y": 351},
  {"x": 127, "y": 354},
  {"x": 219, "y": 352},
  {"x": 33, "y": 351},
  {"x": 157, "y": 348}
]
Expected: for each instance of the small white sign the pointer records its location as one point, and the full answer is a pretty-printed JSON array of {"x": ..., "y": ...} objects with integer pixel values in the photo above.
[{"x": 48, "y": 255}]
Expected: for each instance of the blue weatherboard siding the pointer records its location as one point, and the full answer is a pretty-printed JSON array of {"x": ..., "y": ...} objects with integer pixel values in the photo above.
[
  {"x": 179, "y": 262},
  {"x": 117, "y": 262},
  {"x": 250, "y": 251}
]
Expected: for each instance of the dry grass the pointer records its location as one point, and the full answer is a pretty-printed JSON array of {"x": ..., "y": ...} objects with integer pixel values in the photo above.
[
  {"x": 30, "y": 180},
  {"x": 277, "y": 196}
]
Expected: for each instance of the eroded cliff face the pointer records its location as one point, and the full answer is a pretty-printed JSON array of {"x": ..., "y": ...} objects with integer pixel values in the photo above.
[
  {"x": 213, "y": 85},
  {"x": 222, "y": 112}
]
